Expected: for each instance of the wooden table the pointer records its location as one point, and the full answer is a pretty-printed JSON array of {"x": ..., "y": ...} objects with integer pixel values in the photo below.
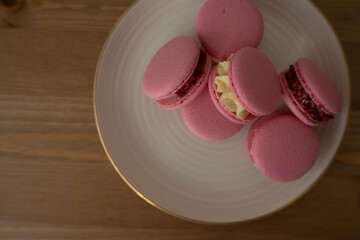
[{"x": 55, "y": 179}]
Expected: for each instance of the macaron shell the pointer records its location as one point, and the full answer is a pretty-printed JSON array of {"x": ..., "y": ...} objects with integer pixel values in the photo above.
[
  {"x": 318, "y": 85},
  {"x": 292, "y": 104},
  {"x": 171, "y": 67},
  {"x": 255, "y": 81},
  {"x": 282, "y": 147},
  {"x": 227, "y": 26},
  {"x": 203, "y": 119},
  {"x": 220, "y": 107},
  {"x": 252, "y": 131},
  {"x": 176, "y": 102}
]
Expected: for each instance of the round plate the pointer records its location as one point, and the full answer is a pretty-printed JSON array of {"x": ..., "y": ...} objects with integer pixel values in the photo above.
[{"x": 152, "y": 149}]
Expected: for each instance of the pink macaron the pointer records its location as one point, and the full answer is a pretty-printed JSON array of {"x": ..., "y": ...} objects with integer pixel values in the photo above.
[
  {"x": 282, "y": 147},
  {"x": 227, "y": 26},
  {"x": 245, "y": 86},
  {"x": 203, "y": 119},
  {"x": 177, "y": 73},
  {"x": 309, "y": 93}
]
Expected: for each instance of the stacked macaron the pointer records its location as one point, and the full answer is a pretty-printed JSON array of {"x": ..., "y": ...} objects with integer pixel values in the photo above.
[{"x": 241, "y": 85}]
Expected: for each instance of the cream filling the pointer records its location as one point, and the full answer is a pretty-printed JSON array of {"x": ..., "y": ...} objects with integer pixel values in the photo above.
[{"x": 227, "y": 97}]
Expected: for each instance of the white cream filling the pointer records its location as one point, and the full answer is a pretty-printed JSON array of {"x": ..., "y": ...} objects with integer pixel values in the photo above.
[{"x": 227, "y": 97}]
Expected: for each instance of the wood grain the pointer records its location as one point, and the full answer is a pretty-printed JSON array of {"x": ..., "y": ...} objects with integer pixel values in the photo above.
[{"x": 55, "y": 179}]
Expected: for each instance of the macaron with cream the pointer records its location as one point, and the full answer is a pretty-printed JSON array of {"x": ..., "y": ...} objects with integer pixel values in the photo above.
[{"x": 245, "y": 86}]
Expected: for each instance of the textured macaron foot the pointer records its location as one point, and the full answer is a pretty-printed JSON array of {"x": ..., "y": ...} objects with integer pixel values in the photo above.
[
  {"x": 177, "y": 73},
  {"x": 203, "y": 119},
  {"x": 225, "y": 27},
  {"x": 282, "y": 147},
  {"x": 309, "y": 93}
]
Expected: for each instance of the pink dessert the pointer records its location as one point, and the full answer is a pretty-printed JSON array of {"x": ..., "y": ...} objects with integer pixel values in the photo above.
[
  {"x": 203, "y": 119},
  {"x": 282, "y": 147},
  {"x": 309, "y": 93},
  {"x": 245, "y": 86},
  {"x": 177, "y": 73},
  {"x": 227, "y": 26}
]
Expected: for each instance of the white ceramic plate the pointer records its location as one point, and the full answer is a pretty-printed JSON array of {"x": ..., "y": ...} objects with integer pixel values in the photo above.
[{"x": 151, "y": 147}]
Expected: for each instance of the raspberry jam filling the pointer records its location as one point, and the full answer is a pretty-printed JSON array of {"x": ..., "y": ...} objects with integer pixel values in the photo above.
[
  {"x": 197, "y": 74},
  {"x": 308, "y": 106}
]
